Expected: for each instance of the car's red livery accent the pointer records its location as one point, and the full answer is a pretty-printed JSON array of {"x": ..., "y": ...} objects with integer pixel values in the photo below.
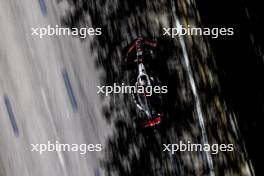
[{"x": 151, "y": 122}]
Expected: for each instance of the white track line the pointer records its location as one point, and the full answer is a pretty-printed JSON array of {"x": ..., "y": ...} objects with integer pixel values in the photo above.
[{"x": 194, "y": 90}]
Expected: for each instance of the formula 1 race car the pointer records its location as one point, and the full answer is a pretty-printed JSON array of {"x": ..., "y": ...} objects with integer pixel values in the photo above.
[{"x": 138, "y": 54}]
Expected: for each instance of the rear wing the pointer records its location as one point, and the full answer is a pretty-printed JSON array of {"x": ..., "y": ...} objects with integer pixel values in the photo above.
[{"x": 145, "y": 42}]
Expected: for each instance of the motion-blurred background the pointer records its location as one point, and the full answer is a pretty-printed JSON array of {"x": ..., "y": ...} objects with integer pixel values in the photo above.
[{"x": 48, "y": 88}]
